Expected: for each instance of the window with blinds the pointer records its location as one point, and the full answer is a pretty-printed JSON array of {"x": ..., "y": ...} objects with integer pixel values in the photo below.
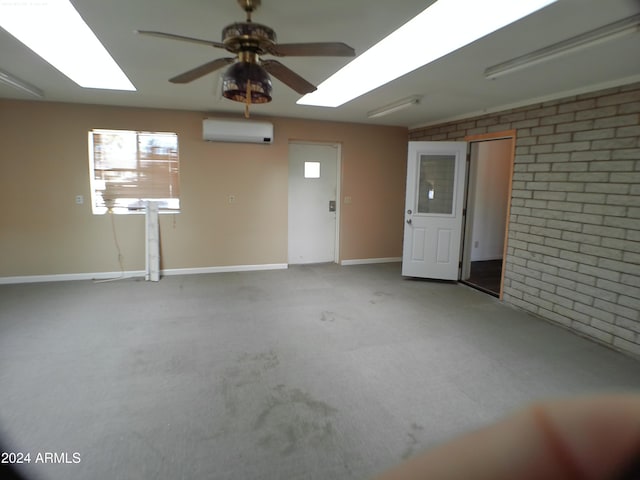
[{"x": 129, "y": 168}]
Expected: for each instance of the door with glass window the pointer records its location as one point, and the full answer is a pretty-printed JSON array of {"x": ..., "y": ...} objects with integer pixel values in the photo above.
[
  {"x": 433, "y": 209},
  {"x": 313, "y": 209}
]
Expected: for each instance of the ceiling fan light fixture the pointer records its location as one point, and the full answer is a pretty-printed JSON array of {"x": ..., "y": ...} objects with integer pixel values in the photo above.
[
  {"x": 243, "y": 77},
  {"x": 247, "y": 80}
]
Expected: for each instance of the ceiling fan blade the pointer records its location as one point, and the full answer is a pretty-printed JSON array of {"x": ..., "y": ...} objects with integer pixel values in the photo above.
[
  {"x": 328, "y": 49},
  {"x": 201, "y": 71},
  {"x": 172, "y": 36},
  {"x": 288, "y": 77}
]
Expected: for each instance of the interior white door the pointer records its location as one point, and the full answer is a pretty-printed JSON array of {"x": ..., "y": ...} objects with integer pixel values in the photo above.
[
  {"x": 313, "y": 185},
  {"x": 433, "y": 212}
]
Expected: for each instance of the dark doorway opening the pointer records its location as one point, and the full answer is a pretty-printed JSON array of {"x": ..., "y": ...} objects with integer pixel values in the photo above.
[
  {"x": 487, "y": 212},
  {"x": 486, "y": 275}
]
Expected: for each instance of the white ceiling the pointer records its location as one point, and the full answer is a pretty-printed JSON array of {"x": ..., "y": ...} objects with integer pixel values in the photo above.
[{"x": 452, "y": 86}]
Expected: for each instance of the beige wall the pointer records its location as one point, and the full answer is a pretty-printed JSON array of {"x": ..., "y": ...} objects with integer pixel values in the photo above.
[{"x": 44, "y": 164}]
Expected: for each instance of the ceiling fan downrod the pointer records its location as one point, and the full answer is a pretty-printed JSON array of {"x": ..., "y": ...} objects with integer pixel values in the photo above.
[{"x": 249, "y": 6}]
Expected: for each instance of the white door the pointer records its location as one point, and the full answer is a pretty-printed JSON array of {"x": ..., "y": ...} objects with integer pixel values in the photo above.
[
  {"x": 433, "y": 211},
  {"x": 313, "y": 189}
]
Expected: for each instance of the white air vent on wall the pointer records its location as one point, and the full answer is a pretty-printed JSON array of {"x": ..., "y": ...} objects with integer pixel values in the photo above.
[{"x": 241, "y": 131}]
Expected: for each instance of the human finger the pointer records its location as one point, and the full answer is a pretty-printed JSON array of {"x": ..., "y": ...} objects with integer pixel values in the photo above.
[{"x": 587, "y": 438}]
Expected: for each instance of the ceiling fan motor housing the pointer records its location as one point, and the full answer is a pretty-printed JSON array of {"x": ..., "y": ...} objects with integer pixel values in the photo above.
[{"x": 248, "y": 36}]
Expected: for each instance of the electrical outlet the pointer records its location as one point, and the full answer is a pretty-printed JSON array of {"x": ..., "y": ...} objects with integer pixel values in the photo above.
[{"x": 79, "y": 199}]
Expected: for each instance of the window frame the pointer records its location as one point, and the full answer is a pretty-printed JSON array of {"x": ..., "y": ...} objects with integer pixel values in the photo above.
[{"x": 136, "y": 205}]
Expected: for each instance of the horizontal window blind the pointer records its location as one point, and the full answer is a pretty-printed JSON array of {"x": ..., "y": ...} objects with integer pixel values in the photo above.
[{"x": 129, "y": 168}]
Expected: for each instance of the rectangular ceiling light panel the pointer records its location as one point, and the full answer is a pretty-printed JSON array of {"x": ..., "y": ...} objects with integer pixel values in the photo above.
[
  {"x": 54, "y": 30},
  {"x": 442, "y": 28}
]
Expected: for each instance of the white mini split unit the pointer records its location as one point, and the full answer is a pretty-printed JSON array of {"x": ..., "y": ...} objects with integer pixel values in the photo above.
[{"x": 238, "y": 131}]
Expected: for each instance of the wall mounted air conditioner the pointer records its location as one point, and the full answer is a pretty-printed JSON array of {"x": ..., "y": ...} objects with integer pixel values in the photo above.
[{"x": 240, "y": 131}]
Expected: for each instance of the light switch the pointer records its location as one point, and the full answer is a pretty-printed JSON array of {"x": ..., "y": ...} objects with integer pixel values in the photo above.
[{"x": 347, "y": 200}]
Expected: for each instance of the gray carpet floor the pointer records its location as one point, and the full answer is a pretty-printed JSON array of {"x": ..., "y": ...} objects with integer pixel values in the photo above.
[{"x": 315, "y": 372}]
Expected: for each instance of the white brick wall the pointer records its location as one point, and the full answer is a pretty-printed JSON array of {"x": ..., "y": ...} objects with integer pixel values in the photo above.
[{"x": 573, "y": 254}]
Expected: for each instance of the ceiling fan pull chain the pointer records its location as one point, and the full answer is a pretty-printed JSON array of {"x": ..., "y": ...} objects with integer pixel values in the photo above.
[{"x": 246, "y": 107}]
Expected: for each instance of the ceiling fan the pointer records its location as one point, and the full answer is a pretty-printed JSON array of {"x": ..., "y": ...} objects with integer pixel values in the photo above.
[{"x": 247, "y": 78}]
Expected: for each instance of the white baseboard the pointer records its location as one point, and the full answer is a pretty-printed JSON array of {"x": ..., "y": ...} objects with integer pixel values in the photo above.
[
  {"x": 66, "y": 277},
  {"x": 226, "y": 269},
  {"x": 69, "y": 277},
  {"x": 365, "y": 261}
]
